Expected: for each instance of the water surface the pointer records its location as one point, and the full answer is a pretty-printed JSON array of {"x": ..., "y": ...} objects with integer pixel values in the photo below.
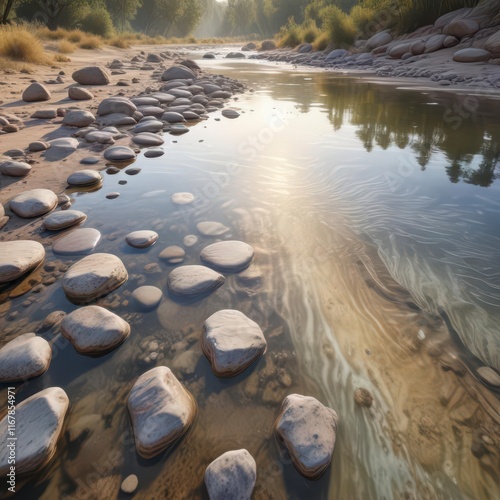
[{"x": 374, "y": 213}]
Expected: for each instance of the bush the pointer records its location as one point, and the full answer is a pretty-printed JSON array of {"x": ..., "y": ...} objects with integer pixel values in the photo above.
[
  {"x": 289, "y": 35},
  {"x": 339, "y": 26},
  {"x": 75, "y": 36},
  {"x": 309, "y": 32},
  {"x": 90, "y": 42},
  {"x": 65, "y": 47},
  {"x": 98, "y": 22},
  {"x": 119, "y": 42},
  {"x": 361, "y": 16},
  {"x": 19, "y": 44},
  {"x": 322, "y": 41}
]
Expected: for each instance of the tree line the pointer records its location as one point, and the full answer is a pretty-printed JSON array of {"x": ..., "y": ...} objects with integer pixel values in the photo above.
[{"x": 337, "y": 20}]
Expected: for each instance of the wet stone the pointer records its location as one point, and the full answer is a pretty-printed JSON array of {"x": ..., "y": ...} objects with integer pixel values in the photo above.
[
  {"x": 148, "y": 139},
  {"x": 488, "y": 375},
  {"x": 230, "y": 113},
  {"x": 63, "y": 219},
  {"x": 231, "y": 341},
  {"x": 39, "y": 421},
  {"x": 194, "y": 280},
  {"x": 210, "y": 228},
  {"x": 25, "y": 357},
  {"x": 232, "y": 475},
  {"x": 182, "y": 198},
  {"x": 173, "y": 254},
  {"x": 119, "y": 153},
  {"x": 362, "y": 397},
  {"x": 129, "y": 484},
  {"x": 308, "y": 430},
  {"x": 161, "y": 410},
  {"x": 190, "y": 240},
  {"x": 19, "y": 257},
  {"x": 147, "y": 297},
  {"x": 133, "y": 171},
  {"x": 90, "y": 160},
  {"x": 154, "y": 153},
  {"x": 113, "y": 195},
  {"x": 84, "y": 178},
  {"x": 141, "y": 239},
  {"x": 78, "y": 241},
  {"x": 94, "y": 330},
  {"x": 34, "y": 203},
  {"x": 51, "y": 321},
  {"x": 230, "y": 256},
  {"x": 94, "y": 276}
]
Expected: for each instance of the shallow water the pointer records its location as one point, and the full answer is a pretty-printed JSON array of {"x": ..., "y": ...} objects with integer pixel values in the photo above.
[{"x": 374, "y": 213}]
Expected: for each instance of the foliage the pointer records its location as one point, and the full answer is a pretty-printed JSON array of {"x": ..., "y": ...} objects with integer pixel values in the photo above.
[
  {"x": 123, "y": 11},
  {"x": 339, "y": 26},
  {"x": 97, "y": 21}
]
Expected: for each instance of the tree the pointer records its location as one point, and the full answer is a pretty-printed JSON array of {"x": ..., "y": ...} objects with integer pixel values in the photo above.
[
  {"x": 6, "y": 11},
  {"x": 123, "y": 11}
]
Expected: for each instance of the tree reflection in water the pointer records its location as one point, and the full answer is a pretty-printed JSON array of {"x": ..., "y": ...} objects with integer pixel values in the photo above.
[{"x": 429, "y": 123}]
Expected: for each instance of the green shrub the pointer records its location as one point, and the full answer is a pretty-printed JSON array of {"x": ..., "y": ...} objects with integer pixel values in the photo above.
[
  {"x": 98, "y": 22},
  {"x": 309, "y": 32},
  {"x": 289, "y": 35},
  {"x": 339, "y": 26},
  {"x": 361, "y": 16}
]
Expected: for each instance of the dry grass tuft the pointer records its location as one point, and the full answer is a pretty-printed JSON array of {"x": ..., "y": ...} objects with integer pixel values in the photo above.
[
  {"x": 19, "y": 44},
  {"x": 61, "y": 58},
  {"x": 90, "y": 42},
  {"x": 65, "y": 47}
]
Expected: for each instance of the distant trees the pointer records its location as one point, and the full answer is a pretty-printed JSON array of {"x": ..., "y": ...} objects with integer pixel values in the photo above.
[{"x": 122, "y": 12}]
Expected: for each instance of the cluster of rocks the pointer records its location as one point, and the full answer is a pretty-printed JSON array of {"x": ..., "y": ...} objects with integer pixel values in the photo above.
[{"x": 463, "y": 36}]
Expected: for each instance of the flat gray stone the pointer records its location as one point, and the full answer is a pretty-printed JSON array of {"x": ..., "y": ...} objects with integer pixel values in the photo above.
[
  {"x": 173, "y": 254},
  {"x": 89, "y": 160},
  {"x": 308, "y": 430},
  {"x": 18, "y": 257},
  {"x": 148, "y": 139},
  {"x": 77, "y": 242},
  {"x": 230, "y": 256},
  {"x": 91, "y": 75},
  {"x": 25, "y": 357},
  {"x": 45, "y": 114},
  {"x": 78, "y": 118},
  {"x": 15, "y": 168},
  {"x": 182, "y": 198},
  {"x": 116, "y": 120},
  {"x": 232, "y": 475},
  {"x": 36, "y": 92},
  {"x": 210, "y": 228},
  {"x": 79, "y": 94},
  {"x": 84, "y": 178},
  {"x": 161, "y": 410},
  {"x": 172, "y": 117},
  {"x": 148, "y": 126},
  {"x": 100, "y": 137},
  {"x": 147, "y": 297},
  {"x": 178, "y": 129},
  {"x": 231, "y": 341},
  {"x": 141, "y": 239},
  {"x": 63, "y": 219},
  {"x": 113, "y": 195},
  {"x": 119, "y": 153},
  {"x": 194, "y": 280},
  {"x": 471, "y": 55},
  {"x": 154, "y": 153},
  {"x": 178, "y": 73},
  {"x": 190, "y": 240},
  {"x": 94, "y": 276},
  {"x": 230, "y": 113},
  {"x": 39, "y": 422},
  {"x": 61, "y": 148},
  {"x": 94, "y": 330},
  {"x": 34, "y": 203},
  {"x": 116, "y": 105},
  {"x": 37, "y": 146}
]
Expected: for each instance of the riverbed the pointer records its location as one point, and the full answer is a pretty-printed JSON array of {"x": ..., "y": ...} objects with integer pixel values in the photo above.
[{"x": 374, "y": 214}]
